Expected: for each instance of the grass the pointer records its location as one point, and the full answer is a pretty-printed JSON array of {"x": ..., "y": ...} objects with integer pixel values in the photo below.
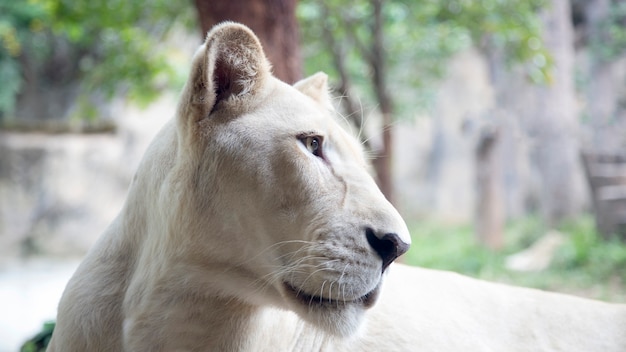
[{"x": 585, "y": 265}]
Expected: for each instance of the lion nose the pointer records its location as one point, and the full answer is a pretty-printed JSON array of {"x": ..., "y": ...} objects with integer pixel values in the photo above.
[{"x": 389, "y": 246}]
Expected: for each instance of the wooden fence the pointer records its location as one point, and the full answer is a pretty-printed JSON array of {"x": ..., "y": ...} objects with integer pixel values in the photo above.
[{"x": 606, "y": 174}]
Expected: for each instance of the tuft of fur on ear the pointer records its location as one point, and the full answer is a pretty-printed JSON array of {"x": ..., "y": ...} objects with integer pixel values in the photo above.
[
  {"x": 316, "y": 87},
  {"x": 229, "y": 65}
]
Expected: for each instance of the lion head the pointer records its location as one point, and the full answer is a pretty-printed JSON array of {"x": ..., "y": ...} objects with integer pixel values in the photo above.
[{"x": 266, "y": 196}]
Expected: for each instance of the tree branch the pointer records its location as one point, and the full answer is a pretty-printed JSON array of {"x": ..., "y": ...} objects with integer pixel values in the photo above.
[{"x": 354, "y": 113}]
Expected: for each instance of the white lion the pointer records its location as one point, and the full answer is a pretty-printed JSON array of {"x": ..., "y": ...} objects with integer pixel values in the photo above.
[{"x": 252, "y": 225}]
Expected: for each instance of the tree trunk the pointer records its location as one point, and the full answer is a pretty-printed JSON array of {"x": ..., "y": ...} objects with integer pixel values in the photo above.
[
  {"x": 373, "y": 52},
  {"x": 554, "y": 126},
  {"x": 490, "y": 195},
  {"x": 352, "y": 110},
  {"x": 383, "y": 162},
  {"x": 273, "y": 21},
  {"x": 489, "y": 223}
]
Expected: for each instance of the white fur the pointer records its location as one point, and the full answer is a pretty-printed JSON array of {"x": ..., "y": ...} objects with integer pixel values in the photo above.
[{"x": 235, "y": 237}]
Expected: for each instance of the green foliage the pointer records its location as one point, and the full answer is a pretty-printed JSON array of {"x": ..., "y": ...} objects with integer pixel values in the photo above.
[
  {"x": 18, "y": 21},
  {"x": 585, "y": 264},
  {"x": 610, "y": 41},
  {"x": 12, "y": 82},
  {"x": 116, "y": 43},
  {"x": 602, "y": 259},
  {"x": 420, "y": 37},
  {"x": 39, "y": 342},
  {"x": 511, "y": 26},
  {"x": 449, "y": 247},
  {"x": 416, "y": 45},
  {"x": 124, "y": 35}
]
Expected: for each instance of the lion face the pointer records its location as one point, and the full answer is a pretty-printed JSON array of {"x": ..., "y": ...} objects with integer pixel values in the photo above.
[{"x": 289, "y": 212}]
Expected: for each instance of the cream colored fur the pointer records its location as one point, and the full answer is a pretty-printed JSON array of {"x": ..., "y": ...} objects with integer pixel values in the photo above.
[{"x": 239, "y": 235}]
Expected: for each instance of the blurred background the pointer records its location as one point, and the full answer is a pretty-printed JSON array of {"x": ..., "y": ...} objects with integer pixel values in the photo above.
[{"x": 497, "y": 127}]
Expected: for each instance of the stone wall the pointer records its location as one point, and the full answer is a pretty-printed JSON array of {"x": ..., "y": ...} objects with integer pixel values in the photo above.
[{"x": 58, "y": 192}]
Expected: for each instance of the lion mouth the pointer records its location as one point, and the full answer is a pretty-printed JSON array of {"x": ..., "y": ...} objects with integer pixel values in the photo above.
[{"x": 366, "y": 301}]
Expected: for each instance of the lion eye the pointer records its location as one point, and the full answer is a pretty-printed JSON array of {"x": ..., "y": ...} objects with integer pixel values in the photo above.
[{"x": 313, "y": 144}]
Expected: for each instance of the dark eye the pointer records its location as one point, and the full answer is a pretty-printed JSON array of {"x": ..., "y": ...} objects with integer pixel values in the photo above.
[{"x": 313, "y": 144}]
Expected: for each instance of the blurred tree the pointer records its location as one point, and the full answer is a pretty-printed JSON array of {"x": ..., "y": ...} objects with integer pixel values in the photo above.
[
  {"x": 605, "y": 34},
  {"x": 378, "y": 64},
  {"x": 371, "y": 49},
  {"x": 274, "y": 21},
  {"x": 18, "y": 20},
  {"x": 512, "y": 28},
  {"x": 56, "y": 52},
  {"x": 554, "y": 126},
  {"x": 601, "y": 92},
  {"x": 507, "y": 33}
]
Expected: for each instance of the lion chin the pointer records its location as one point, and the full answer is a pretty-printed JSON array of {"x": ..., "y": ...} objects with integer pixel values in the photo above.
[{"x": 336, "y": 316}]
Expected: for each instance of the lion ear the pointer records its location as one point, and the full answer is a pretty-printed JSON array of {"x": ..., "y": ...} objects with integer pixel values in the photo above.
[
  {"x": 316, "y": 87},
  {"x": 230, "y": 65}
]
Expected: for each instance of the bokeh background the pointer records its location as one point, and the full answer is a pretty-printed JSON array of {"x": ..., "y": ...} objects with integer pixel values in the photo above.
[{"x": 497, "y": 127}]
